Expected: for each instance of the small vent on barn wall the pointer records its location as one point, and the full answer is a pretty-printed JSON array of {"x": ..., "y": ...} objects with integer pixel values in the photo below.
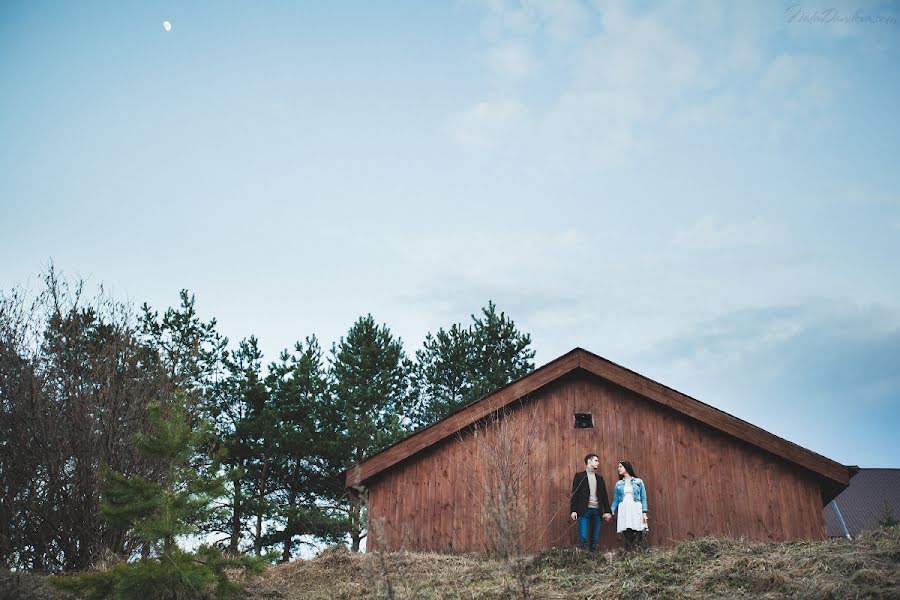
[{"x": 584, "y": 421}]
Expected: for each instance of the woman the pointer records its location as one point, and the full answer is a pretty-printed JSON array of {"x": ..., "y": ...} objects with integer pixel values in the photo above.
[{"x": 630, "y": 499}]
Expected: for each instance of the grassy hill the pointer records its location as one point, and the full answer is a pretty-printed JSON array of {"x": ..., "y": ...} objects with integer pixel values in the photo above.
[{"x": 868, "y": 567}]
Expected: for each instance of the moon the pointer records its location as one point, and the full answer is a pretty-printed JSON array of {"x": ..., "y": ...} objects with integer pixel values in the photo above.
[{"x": 167, "y": 25}]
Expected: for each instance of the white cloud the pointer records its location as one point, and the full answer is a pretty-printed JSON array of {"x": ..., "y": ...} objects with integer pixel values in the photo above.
[
  {"x": 637, "y": 53},
  {"x": 487, "y": 256},
  {"x": 709, "y": 233},
  {"x": 486, "y": 125},
  {"x": 564, "y": 20},
  {"x": 569, "y": 237},
  {"x": 793, "y": 76},
  {"x": 627, "y": 76},
  {"x": 619, "y": 77},
  {"x": 513, "y": 62},
  {"x": 561, "y": 21},
  {"x": 596, "y": 127},
  {"x": 794, "y": 92},
  {"x": 773, "y": 364}
]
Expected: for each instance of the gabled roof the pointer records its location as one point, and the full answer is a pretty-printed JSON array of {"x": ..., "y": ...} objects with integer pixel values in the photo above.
[
  {"x": 835, "y": 476},
  {"x": 862, "y": 506}
]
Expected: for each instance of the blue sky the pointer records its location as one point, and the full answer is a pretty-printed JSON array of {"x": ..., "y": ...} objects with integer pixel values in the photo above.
[{"x": 704, "y": 192}]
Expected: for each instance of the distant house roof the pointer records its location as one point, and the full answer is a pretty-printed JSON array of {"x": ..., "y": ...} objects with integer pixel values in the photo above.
[
  {"x": 834, "y": 476},
  {"x": 861, "y": 506}
]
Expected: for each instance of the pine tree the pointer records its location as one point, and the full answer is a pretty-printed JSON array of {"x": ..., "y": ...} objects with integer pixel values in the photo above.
[
  {"x": 501, "y": 353},
  {"x": 191, "y": 351},
  {"x": 887, "y": 517},
  {"x": 306, "y": 422},
  {"x": 442, "y": 376},
  {"x": 370, "y": 386},
  {"x": 457, "y": 367},
  {"x": 257, "y": 431},
  {"x": 229, "y": 410},
  {"x": 159, "y": 513}
]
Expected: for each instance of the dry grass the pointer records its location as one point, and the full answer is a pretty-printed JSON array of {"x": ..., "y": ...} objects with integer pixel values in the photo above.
[
  {"x": 868, "y": 567},
  {"x": 25, "y": 586},
  {"x": 708, "y": 568}
]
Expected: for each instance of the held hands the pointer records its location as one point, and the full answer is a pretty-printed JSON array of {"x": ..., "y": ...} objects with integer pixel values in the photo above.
[{"x": 605, "y": 516}]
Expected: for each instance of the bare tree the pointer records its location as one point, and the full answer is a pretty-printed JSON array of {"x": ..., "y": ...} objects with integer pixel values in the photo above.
[{"x": 75, "y": 378}]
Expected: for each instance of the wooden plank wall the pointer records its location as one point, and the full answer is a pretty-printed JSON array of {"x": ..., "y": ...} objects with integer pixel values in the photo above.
[{"x": 700, "y": 481}]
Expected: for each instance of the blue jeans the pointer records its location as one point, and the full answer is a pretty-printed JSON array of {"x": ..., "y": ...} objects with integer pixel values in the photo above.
[{"x": 589, "y": 522}]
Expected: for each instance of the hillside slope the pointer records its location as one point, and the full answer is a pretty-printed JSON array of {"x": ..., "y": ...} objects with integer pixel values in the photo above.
[{"x": 868, "y": 567}]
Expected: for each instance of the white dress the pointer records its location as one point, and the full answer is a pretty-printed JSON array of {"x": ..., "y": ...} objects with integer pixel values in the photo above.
[{"x": 630, "y": 513}]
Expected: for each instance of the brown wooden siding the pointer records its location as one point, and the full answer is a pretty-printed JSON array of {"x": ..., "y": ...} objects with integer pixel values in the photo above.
[{"x": 700, "y": 481}]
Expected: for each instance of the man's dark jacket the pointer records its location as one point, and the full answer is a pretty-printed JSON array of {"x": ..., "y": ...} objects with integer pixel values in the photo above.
[{"x": 581, "y": 493}]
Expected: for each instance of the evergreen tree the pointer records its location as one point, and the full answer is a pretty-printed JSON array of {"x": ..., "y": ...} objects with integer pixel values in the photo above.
[
  {"x": 442, "y": 378},
  {"x": 370, "y": 388},
  {"x": 191, "y": 351},
  {"x": 887, "y": 517},
  {"x": 457, "y": 367},
  {"x": 306, "y": 421},
  {"x": 501, "y": 353},
  {"x": 241, "y": 413},
  {"x": 158, "y": 513},
  {"x": 258, "y": 432}
]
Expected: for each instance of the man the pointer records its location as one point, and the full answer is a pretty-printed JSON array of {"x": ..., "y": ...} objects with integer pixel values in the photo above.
[{"x": 589, "y": 503}]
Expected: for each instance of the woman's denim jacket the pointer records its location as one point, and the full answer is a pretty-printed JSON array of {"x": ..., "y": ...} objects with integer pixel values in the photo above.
[{"x": 638, "y": 490}]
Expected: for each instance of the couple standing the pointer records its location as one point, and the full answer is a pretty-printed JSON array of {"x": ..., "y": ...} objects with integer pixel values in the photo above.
[{"x": 589, "y": 503}]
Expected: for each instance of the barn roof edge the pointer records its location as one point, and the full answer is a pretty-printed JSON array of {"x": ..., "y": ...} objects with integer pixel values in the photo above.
[{"x": 836, "y": 475}]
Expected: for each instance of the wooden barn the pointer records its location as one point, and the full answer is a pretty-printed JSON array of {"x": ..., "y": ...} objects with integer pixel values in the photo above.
[{"x": 706, "y": 472}]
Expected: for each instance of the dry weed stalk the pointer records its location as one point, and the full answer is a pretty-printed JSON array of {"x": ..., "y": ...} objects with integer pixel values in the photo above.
[
  {"x": 499, "y": 483},
  {"x": 389, "y": 574}
]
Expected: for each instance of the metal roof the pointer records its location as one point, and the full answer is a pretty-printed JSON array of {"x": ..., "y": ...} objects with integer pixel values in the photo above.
[{"x": 862, "y": 505}]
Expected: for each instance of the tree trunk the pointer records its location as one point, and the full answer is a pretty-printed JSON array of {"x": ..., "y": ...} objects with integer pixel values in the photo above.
[
  {"x": 4, "y": 536},
  {"x": 356, "y": 527},
  {"x": 236, "y": 509},
  {"x": 168, "y": 540},
  {"x": 257, "y": 540},
  {"x": 288, "y": 538},
  {"x": 168, "y": 544},
  {"x": 289, "y": 527},
  {"x": 261, "y": 491}
]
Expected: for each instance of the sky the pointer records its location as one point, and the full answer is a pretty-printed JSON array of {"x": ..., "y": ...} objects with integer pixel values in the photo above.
[{"x": 703, "y": 192}]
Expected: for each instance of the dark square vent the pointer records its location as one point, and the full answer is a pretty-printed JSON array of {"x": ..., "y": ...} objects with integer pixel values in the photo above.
[{"x": 584, "y": 421}]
